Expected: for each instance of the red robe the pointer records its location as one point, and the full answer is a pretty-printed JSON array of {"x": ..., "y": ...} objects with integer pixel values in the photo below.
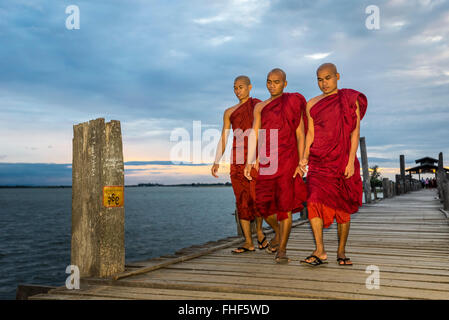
[
  {"x": 244, "y": 190},
  {"x": 334, "y": 119},
  {"x": 276, "y": 189}
]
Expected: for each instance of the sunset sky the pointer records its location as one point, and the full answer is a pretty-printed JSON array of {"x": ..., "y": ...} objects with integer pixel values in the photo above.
[{"x": 157, "y": 66}]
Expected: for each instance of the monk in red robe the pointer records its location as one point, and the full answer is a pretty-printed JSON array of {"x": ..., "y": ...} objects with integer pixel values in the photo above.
[
  {"x": 333, "y": 179},
  {"x": 279, "y": 130},
  {"x": 240, "y": 117}
]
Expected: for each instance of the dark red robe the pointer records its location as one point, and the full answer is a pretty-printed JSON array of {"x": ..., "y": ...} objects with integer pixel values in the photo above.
[
  {"x": 276, "y": 189},
  {"x": 244, "y": 190},
  {"x": 334, "y": 119}
]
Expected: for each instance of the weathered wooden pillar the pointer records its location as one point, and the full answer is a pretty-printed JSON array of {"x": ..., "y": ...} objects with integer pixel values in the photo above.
[
  {"x": 446, "y": 194},
  {"x": 237, "y": 222},
  {"x": 402, "y": 166},
  {"x": 366, "y": 177},
  {"x": 385, "y": 187},
  {"x": 98, "y": 213},
  {"x": 440, "y": 176},
  {"x": 239, "y": 225},
  {"x": 398, "y": 184},
  {"x": 392, "y": 189}
]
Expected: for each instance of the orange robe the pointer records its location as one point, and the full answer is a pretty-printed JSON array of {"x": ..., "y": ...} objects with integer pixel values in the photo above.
[
  {"x": 330, "y": 194},
  {"x": 244, "y": 189},
  {"x": 277, "y": 192}
]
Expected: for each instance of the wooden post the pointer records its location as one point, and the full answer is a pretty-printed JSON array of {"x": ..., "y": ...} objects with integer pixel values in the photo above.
[
  {"x": 446, "y": 194},
  {"x": 440, "y": 176},
  {"x": 237, "y": 222},
  {"x": 239, "y": 225},
  {"x": 398, "y": 184},
  {"x": 410, "y": 181},
  {"x": 385, "y": 186},
  {"x": 366, "y": 177},
  {"x": 402, "y": 166},
  {"x": 98, "y": 213}
]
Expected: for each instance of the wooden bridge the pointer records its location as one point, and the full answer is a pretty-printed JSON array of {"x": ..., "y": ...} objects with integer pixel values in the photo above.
[{"x": 405, "y": 238}]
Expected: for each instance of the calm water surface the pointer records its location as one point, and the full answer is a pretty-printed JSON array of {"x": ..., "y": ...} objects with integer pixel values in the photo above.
[{"x": 35, "y": 228}]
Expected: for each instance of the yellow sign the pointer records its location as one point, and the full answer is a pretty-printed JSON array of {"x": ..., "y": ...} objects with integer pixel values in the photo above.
[{"x": 113, "y": 196}]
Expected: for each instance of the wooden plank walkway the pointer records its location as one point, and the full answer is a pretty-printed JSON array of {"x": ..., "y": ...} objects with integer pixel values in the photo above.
[{"x": 406, "y": 237}]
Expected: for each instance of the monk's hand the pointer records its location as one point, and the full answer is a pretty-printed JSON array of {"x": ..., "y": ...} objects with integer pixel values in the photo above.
[
  {"x": 247, "y": 171},
  {"x": 298, "y": 171},
  {"x": 214, "y": 169},
  {"x": 303, "y": 165},
  {"x": 349, "y": 171}
]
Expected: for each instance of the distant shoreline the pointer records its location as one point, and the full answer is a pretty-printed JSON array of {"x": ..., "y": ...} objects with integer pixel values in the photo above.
[{"x": 140, "y": 185}]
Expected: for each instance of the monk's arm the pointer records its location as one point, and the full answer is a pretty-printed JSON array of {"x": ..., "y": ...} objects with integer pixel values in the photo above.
[
  {"x": 252, "y": 142},
  {"x": 253, "y": 138},
  {"x": 300, "y": 141},
  {"x": 355, "y": 136},
  {"x": 300, "y": 138},
  {"x": 310, "y": 136},
  {"x": 221, "y": 147}
]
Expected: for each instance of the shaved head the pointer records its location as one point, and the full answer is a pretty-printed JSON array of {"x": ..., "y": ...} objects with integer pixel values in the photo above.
[
  {"x": 245, "y": 79},
  {"x": 327, "y": 66},
  {"x": 328, "y": 76},
  {"x": 278, "y": 71}
]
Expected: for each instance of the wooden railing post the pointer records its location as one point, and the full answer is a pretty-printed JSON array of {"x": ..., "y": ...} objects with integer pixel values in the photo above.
[
  {"x": 398, "y": 184},
  {"x": 385, "y": 187},
  {"x": 366, "y": 177},
  {"x": 446, "y": 195},
  {"x": 440, "y": 176},
  {"x": 98, "y": 213},
  {"x": 402, "y": 166},
  {"x": 239, "y": 225}
]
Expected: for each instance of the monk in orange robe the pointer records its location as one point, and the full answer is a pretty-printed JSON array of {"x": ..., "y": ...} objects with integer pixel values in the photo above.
[
  {"x": 333, "y": 177},
  {"x": 280, "y": 189},
  {"x": 240, "y": 117}
]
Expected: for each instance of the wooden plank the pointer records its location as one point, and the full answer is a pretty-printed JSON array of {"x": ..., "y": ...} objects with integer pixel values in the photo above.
[
  {"x": 277, "y": 285},
  {"x": 143, "y": 293},
  {"x": 243, "y": 288},
  {"x": 355, "y": 277},
  {"x": 262, "y": 271}
]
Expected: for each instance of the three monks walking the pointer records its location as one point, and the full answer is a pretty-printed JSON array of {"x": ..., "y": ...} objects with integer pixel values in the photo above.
[{"x": 288, "y": 138}]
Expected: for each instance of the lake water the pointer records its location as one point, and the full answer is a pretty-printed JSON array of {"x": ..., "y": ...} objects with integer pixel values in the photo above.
[{"x": 35, "y": 228}]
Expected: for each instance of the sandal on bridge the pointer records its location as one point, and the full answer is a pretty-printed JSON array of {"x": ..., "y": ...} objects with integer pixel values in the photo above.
[
  {"x": 316, "y": 262},
  {"x": 345, "y": 260},
  {"x": 261, "y": 246},
  {"x": 242, "y": 250}
]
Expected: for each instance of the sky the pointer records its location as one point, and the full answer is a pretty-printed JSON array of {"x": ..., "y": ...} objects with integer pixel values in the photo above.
[{"x": 162, "y": 67}]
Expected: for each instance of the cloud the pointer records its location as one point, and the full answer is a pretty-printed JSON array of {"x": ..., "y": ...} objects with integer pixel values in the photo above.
[
  {"x": 318, "y": 56},
  {"x": 241, "y": 12},
  {"x": 217, "y": 41}
]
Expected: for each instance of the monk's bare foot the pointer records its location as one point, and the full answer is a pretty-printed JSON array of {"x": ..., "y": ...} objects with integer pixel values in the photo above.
[
  {"x": 262, "y": 240},
  {"x": 281, "y": 257},
  {"x": 273, "y": 246},
  {"x": 343, "y": 260},
  {"x": 244, "y": 248},
  {"x": 321, "y": 255}
]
